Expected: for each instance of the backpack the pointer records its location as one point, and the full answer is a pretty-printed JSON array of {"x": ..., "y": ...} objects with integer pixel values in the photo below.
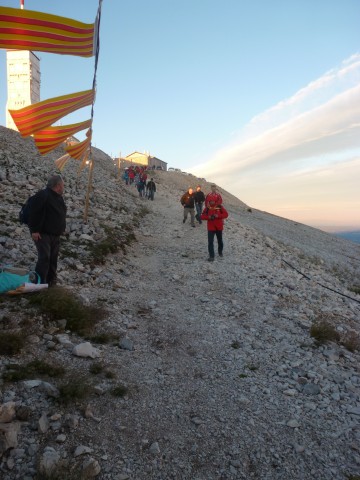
[{"x": 24, "y": 214}]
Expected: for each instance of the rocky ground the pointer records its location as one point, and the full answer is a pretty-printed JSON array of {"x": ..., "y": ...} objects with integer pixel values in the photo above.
[{"x": 221, "y": 376}]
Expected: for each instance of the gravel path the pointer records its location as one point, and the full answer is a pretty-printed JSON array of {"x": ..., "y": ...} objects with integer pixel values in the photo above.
[{"x": 222, "y": 358}]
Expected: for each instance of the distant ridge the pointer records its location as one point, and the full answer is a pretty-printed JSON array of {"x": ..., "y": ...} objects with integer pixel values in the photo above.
[{"x": 352, "y": 236}]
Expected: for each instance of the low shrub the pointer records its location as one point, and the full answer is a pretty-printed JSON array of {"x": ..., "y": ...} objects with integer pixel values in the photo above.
[
  {"x": 11, "y": 343},
  {"x": 96, "y": 368},
  {"x": 104, "y": 338},
  {"x": 355, "y": 289},
  {"x": 75, "y": 389},
  {"x": 32, "y": 370},
  {"x": 323, "y": 332},
  {"x": 58, "y": 303},
  {"x": 351, "y": 341},
  {"x": 119, "y": 391}
]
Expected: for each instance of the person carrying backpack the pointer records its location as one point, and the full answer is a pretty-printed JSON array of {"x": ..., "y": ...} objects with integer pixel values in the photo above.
[
  {"x": 47, "y": 221},
  {"x": 215, "y": 215}
]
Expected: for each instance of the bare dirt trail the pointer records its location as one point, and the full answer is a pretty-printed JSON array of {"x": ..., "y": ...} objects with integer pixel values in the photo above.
[{"x": 206, "y": 347}]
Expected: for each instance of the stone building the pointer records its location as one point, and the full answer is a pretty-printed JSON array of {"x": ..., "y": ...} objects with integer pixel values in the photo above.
[
  {"x": 144, "y": 159},
  {"x": 23, "y": 81}
]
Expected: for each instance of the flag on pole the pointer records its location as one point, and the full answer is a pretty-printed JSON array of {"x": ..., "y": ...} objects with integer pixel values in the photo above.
[
  {"x": 49, "y": 138},
  {"x": 62, "y": 161},
  {"x": 36, "y": 117},
  {"x": 79, "y": 149},
  {"x": 42, "y": 32}
]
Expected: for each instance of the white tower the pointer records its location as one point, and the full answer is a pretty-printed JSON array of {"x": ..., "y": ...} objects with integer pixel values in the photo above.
[{"x": 23, "y": 81}]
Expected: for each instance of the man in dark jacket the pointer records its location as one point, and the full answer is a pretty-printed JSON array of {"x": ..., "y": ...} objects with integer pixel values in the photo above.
[
  {"x": 187, "y": 201},
  {"x": 199, "y": 198},
  {"x": 151, "y": 189},
  {"x": 47, "y": 221}
]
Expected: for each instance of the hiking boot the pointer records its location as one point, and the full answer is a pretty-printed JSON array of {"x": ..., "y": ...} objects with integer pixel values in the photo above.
[
  {"x": 193, "y": 225},
  {"x": 210, "y": 259},
  {"x": 184, "y": 220},
  {"x": 221, "y": 255}
]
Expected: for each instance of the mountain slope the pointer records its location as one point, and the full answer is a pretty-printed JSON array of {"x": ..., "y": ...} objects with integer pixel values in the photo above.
[{"x": 223, "y": 378}]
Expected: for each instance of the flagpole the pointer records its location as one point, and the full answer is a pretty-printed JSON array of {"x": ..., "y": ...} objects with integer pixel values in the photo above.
[
  {"x": 119, "y": 165},
  {"x": 89, "y": 188}
]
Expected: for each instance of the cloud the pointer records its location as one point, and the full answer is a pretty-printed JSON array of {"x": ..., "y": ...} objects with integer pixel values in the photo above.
[
  {"x": 316, "y": 196},
  {"x": 296, "y": 146}
]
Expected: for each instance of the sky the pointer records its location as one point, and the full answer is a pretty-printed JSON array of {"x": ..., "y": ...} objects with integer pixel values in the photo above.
[{"x": 261, "y": 97}]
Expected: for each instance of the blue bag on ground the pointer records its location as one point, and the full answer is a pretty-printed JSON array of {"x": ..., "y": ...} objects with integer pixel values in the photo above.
[{"x": 11, "y": 281}]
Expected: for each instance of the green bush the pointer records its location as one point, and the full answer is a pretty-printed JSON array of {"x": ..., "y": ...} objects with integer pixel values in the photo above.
[
  {"x": 119, "y": 391},
  {"x": 351, "y": 341},
  {"x": 58, "y": 303},
  {"x": 11, "y": 343},
  {"x": 323, "y": 332},
  {"x": 75, "y": 389},
  {"x": 33, "y": 369},
  {"x": 355, "y": 289}
]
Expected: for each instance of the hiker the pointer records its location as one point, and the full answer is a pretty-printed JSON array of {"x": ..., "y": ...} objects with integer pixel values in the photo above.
[
  {"x": 140, "y": 187},
  {"x": 150, "y": 189},
  {"x": 187, "y": 201},
  {"x": 47, "y": 221},
  {"x": 213, "y": 195},
  {"x": 131, "y": 174},
  {"x": 215, "y": 215},
  {"x": 199, "y": 198}
]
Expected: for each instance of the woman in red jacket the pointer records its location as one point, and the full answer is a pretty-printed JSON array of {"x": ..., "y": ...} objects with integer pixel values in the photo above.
[{"x": 215, "y": 215}]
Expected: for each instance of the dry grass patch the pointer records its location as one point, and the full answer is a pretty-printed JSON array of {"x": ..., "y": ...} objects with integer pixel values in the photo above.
[
  {"x": 119, "y": 391},
  {"x": 11, "y": 343},
  {"x": 323, "y": 332},
  {"x": 73, "y": 390},
  {"x": 351, "y": 341},
  {"x": 355, "y": 289},
  {"x": 58, "y": 304},
  {"x": 32, "y": 370}
]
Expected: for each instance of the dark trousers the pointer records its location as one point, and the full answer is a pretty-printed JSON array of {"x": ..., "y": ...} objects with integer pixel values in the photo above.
[
  {"x": 211, "y": 235},
  {"x": 199, "y": 208},
  {"x": 48, "y": 251}
]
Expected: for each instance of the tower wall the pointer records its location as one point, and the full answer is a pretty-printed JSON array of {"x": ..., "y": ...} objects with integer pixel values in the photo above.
[{"x": 23, "y": 81}]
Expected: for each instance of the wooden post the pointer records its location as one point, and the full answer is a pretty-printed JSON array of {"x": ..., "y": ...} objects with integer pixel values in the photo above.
[
  {"x": 89, "y": 188},
  {"x": 119, "y": 166}
]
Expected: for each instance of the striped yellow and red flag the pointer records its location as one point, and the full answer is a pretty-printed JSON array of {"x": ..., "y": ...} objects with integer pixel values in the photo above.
[
  {"x": 43, "y": 32},
  {"x": 79, "y": 149},
  {"x": 49, "y": 138},
  {"x": 36, "y": 117},
  {"x": 62, "y": 161}
]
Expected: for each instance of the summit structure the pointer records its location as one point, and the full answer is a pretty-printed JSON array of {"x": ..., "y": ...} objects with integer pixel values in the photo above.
[{"x": 23, "y": 81}]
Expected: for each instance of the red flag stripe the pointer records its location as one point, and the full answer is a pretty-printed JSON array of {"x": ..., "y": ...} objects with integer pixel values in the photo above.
[
  {"x": 61, "y": 111},
  {"x": 29, "y": 30},
  {"x": 19, "y": 32},
  {"x": 30, "y": 17},
  {"x": 50, "y": 48},
  {"x": 52, "y": 103}
]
